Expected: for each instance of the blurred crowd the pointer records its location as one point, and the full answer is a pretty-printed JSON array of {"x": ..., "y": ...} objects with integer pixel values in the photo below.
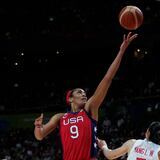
[{"x": 20, "y": 144}]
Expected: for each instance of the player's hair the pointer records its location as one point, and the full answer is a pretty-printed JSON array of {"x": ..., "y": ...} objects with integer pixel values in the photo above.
[
  {"x": 154, "y": 129},
  {"x": 69, "y": 94}
]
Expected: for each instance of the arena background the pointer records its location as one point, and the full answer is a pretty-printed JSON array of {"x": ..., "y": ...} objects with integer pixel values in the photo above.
[{"x": 49, "y": 47}]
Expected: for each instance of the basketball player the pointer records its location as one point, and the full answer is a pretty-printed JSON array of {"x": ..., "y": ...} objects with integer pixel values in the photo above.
[
  {"x": 146, "y": 149},
  {"x": 78, "y": 127}
]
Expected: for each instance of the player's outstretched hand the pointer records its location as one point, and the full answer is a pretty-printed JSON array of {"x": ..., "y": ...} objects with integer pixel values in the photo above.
[{"x": 127, "y": 40}]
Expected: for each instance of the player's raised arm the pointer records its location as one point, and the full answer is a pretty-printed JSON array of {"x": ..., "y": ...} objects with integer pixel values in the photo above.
[{"x": 95, "y": 101}]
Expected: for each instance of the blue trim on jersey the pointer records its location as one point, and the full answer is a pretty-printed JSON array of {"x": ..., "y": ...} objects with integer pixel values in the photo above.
[
  {"x": 94, "y": 138},
  {"x": 94, "y": 121},
  {"x": 94, "y": 149}
]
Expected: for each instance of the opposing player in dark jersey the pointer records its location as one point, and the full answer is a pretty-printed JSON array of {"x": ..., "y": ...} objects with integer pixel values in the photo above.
[
  {"x": 141, "y": 149},
  {"x": 78, "y": 127}
]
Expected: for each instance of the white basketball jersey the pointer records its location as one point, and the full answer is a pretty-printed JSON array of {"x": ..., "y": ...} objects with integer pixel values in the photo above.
[{"x": 144, "y": 150}]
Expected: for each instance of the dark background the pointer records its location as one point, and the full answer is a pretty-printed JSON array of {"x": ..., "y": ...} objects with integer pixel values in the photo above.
[{"x": 49, "y": 47}]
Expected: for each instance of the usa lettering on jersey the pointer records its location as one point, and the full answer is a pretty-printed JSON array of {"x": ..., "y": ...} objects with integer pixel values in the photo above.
[{"x": 73, "y": 120}]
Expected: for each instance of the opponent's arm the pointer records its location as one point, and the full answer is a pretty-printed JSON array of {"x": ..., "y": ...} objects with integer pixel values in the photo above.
[
  {"x": 95, "y": 101},
  {"x": 115, "y": 153},
  {"x": 41, "y": 130}
]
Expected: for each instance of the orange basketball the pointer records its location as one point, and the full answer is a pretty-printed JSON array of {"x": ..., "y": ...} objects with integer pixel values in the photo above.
[{"x": 130, "y": 17}]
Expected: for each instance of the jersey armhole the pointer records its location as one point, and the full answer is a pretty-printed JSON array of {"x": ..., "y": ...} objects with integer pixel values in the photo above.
[{"x": 89, "y": 116}]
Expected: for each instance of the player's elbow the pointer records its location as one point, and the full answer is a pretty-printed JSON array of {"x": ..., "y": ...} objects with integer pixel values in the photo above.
[
  {"x": 39, "y": 138},
  {"x": 38, "y": 135}
]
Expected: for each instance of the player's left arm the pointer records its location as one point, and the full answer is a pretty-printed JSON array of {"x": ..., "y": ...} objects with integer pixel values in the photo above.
[
  {"x": 95, "y": 101},
  {"x": 115, "y": 153}
]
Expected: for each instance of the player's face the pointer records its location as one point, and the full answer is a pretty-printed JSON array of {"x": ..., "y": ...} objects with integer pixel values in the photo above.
[
  {"x": 147, "y": 134},
  {"x": 79, "y": 97}
]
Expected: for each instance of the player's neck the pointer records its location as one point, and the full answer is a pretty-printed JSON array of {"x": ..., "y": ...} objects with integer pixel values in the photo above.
[{"x": 75, "y": 109}]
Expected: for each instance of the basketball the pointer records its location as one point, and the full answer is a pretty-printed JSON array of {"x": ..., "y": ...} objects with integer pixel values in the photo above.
[{"x": 131, "y": 17}]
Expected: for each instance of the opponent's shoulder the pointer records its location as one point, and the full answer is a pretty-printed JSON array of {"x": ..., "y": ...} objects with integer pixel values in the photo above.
[{"x": 132, "y": 141}]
